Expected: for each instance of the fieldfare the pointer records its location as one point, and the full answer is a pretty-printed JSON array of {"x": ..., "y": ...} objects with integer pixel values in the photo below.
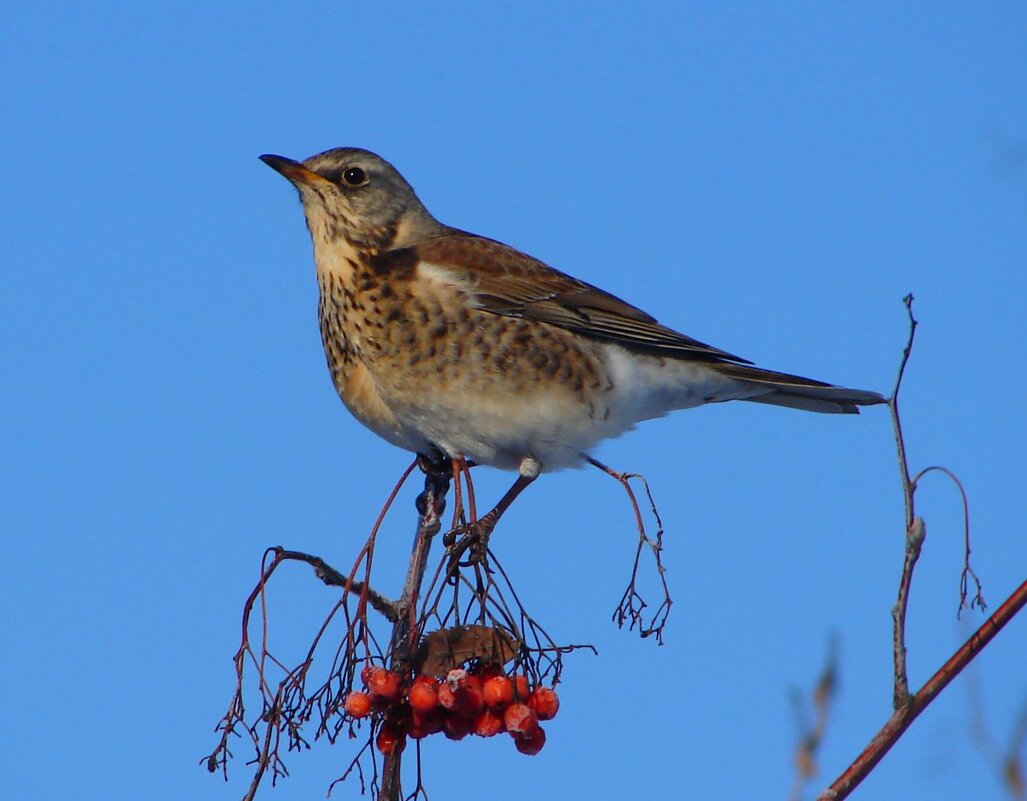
[{"x": 450, "y": 344}]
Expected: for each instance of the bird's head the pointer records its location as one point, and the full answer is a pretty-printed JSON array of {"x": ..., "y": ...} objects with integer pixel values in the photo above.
[{"x": 352, "y": 197}]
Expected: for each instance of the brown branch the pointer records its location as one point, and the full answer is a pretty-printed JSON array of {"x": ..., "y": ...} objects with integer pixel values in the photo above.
[
  {"x": 916, "y": 531},
  {"x": 909, "y": 711},
  {"x": 907, "y": 707},
  {"x": 915, "y": 528},
  {"x": 333, "y": 578},
  {"x": 430, "y": 506}
]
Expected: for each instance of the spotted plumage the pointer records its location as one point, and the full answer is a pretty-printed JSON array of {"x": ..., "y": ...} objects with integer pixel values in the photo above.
[{"x": 444, "y": 342}]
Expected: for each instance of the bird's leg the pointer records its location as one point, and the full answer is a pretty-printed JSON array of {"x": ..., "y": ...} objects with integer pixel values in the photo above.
[
  {"x": 475, "y": 535},
  {"x": 461, "y": 475},
  {"x": 458, "y": 497}
]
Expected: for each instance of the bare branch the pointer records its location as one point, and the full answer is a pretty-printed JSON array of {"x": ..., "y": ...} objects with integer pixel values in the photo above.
[
  {"x": 908, "y": 712},
  {"x": 916, "y": 531},
  {"x": 333, "y": 578},
  {"x": 430, "y": 506},
  {"x": 915, "y": 528}
]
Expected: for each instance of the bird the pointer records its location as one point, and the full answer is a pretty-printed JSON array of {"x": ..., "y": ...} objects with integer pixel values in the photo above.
[{"x": 456, "y": 346}]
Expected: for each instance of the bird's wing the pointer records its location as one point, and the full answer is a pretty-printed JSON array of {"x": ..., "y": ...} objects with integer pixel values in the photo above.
[{"x": 504, "y": 281}]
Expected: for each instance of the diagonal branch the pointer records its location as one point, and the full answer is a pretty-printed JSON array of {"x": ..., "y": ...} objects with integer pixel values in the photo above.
[
  {"x": 333, "y": 578},
  {"x": 909, "y": 711}
]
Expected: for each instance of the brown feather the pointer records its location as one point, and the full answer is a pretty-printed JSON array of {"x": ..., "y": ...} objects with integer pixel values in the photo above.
[
  {"x": 506, "y": 282},
  {"x": 510, "y": 283}
]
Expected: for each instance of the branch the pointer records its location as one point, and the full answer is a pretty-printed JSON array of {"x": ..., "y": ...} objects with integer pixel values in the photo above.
[
  {"x": 430, "y": 505},
  {"x": 915, "y": 529},
  {"x": 908, "y": 712},
  {"x": 333, "y": 578}
]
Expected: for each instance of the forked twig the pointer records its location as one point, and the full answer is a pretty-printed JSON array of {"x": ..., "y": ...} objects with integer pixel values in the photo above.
[
  {"x": 908, "y": 707},
  {"x": 632, "y": 606},
  {"x": 916, "y": 530}
]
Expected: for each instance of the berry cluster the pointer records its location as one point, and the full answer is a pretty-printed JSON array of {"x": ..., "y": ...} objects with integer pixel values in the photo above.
[{"x": 483, "y": 701}]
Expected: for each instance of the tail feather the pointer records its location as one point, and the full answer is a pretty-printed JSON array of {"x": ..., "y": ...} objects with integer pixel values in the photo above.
[{"x": 797, "y": 392}]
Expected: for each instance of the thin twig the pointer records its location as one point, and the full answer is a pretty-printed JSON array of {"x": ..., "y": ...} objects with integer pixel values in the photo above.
[
  {"x": 916, "y": 532},
  {"x": 968, "y": 572},
  {"x": 632, "y": 606},
  {"x": 811, "y": 735},
  {"x": 333, "y": 578},
  {"x": 915, "y": 528}
]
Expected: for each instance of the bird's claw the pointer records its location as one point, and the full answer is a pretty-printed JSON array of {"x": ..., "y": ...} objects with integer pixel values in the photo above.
[{"x": 471, "y": 539}]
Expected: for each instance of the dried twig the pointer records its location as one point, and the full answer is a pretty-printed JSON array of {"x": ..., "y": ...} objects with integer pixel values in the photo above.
[
  {"x": 906, "y": 706},
  {"x": 333, "y": 578},
  {"x": 916, "y": 531},
  {"x": 811, "y": 734},
  {"x": 632, "y": 606},
  {"x": 915, "y": 528}
]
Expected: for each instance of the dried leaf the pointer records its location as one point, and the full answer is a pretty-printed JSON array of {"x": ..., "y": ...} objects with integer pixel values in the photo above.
[{"x": 445, "y": 649}]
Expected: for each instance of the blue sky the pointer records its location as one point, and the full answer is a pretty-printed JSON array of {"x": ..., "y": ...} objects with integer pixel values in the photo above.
[{"x": 771, "y": 180}]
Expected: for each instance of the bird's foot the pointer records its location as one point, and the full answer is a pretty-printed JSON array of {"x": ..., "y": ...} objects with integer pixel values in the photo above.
[{"x": 469, "y": 544}]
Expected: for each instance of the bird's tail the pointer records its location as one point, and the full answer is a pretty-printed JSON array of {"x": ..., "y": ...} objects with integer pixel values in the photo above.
[{"x": 801, "y": 393}]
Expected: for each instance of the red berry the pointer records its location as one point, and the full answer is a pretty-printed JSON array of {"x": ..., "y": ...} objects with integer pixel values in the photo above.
[
  {"x": 531, "y": 742},
  {"x": 545, "y": 703},
  {"x": 384, "y": 685},
  {"x": 498, "y": 692},
  {"x": 456, "y": 727},
  {"x": 521, "y": 688},
  {"x": 358, "y": 704},
  {"x": 365, "y": 673},
  {"x": 488, "y": 724},
  {"x": 469, "y": 698},
  {"x": 446, "y": 697},
  {"x": 424, "y": 723},
  {"x": 520, "y": 719},
  {"x": 390, "y": 739},
  {"x": 423, "y": 695}
]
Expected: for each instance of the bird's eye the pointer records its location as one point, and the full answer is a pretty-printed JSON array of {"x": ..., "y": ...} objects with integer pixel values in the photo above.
[{"x": 354, "y": 176}]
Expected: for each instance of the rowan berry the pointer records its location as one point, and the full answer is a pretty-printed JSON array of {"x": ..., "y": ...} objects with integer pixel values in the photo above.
[
  {"x": 456, "y": 727},
  {"x": 520, "y": 719},
  {"x": 531, "y": 742},
  {"x": 384, "y": 685},
  {"x": 498, "y": 692},
  {"x": 521, "y": 688},
  {"x": 390, "y": 739},
  {"x": 488, "y": 724},
  {"x": 358, "y": 704},
  {"x": 545, "y": 703},
  {"x": 423, "y": 694}
]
